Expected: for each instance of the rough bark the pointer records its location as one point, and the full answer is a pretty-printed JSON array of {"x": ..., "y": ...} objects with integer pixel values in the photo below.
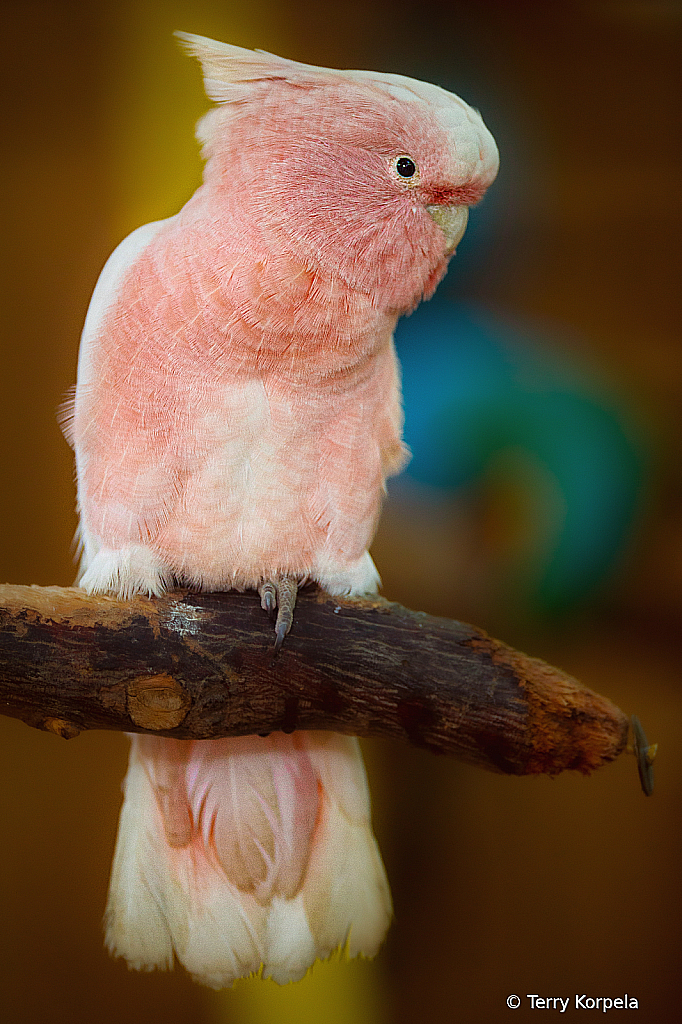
[{"x": 201, "y": 666}]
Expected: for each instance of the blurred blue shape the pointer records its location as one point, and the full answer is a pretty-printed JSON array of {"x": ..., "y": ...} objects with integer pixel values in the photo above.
[{"x": 476, "y": 388}]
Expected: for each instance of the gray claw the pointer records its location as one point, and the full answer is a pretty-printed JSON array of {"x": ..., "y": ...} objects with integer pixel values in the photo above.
[
  {"x": 281, "y": 630},
  {"x": 279, "y": 594},
  {"x": 268, "y": 597},
  {"x": 287, "y": 590}
]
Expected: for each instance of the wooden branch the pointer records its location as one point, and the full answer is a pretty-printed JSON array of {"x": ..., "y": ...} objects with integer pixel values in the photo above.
[{"x": 201, "y": 666}]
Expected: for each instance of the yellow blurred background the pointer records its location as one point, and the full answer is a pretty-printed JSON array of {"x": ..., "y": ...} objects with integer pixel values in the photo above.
[{"x": 501, "y": 885}]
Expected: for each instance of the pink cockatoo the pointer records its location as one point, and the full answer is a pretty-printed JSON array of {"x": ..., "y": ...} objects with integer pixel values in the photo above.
[{"x": 237, "y": 413}]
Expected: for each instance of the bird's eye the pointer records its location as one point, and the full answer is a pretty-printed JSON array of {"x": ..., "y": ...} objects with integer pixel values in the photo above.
[{"x": 406, "y": 168}]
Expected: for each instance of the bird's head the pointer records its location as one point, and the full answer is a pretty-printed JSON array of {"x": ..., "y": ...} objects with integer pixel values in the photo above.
[{"x": 365, "y": 177}]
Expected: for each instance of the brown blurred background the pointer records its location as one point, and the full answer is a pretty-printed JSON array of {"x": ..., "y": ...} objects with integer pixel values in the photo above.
[{"x": 501, "y": 885}]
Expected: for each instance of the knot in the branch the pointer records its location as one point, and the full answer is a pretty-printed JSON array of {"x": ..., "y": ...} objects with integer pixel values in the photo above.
[
  {"x": 157, "y": 702},
  {"x": 61, "y": 727}
]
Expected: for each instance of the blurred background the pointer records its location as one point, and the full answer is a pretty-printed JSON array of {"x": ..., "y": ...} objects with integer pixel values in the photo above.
[{"x": 543, "y": 393}]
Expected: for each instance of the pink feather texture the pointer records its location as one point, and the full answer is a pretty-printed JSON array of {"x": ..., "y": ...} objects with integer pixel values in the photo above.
[{"x": 236, "y": 416}]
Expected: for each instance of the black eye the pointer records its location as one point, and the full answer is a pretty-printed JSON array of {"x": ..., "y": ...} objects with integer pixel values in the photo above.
[{"x": 406, "y": 167}]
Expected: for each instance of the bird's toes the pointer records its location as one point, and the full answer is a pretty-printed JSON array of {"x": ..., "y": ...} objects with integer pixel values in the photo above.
[
  {"x": 279, "y": 595},
  {"x": 268, "y": 597}
]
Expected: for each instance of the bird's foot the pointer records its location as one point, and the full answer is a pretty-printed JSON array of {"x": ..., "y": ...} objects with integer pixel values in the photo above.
[{"x": 279, "y": 595}]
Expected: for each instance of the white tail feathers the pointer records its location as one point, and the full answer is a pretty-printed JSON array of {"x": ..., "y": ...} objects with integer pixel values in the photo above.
[{"x": 240, "y": 853}]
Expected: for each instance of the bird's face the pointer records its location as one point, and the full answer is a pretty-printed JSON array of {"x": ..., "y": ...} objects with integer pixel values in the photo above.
[{"x": 369, "y": 183}]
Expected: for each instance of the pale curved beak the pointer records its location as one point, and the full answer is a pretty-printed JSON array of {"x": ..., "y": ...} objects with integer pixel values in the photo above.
[{"x": 452, "y": 220}]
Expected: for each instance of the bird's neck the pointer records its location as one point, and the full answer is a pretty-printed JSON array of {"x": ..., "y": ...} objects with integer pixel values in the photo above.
[{"x": 279, "y": 310}]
